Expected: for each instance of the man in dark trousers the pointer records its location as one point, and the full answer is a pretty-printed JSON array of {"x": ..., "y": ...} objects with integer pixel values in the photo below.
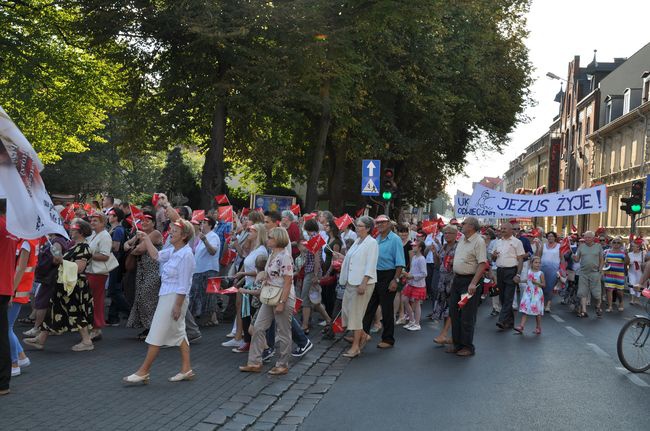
[
  {"x": 390, "y": 264},
  {"x": 470, "y": 262}
]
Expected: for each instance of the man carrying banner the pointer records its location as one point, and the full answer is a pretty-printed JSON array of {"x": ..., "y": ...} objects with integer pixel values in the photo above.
[{"x": 509, "y": 256}]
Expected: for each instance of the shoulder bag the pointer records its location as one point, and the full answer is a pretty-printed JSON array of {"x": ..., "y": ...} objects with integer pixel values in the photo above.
[{"x": 270, "y": 295}]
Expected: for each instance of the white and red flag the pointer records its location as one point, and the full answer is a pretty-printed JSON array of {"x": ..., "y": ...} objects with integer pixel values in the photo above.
[{"x": 30, "y": 211}]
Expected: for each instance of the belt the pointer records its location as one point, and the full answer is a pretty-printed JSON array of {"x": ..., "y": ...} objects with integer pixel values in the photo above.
[
  {"x": 464, "y": 275},
  {"x": 507, "y": 267}
]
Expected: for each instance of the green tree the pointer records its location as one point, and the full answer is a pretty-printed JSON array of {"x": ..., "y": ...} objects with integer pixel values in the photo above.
[
  {"x": 56, "y": 87},
  {"x": 177, "y": 181}
]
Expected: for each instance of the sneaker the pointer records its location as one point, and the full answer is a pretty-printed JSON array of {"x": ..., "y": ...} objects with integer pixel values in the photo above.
[
  {"x": 322, "y": 323},
  {"x": 414, "y": 327},
  {"x": 244, "y": 348},
  {"x": 32, "y": 332},
  {"x": 408, "y": 325},
  {"x": 231, "y": 335},
  {"x": 299, "y": 352},
  {"x": 375, "y": 329},
  {"x": 232, "y": 343},
  {"x": 24, "y": 362},
  {"x": 401, "y": 321},
  {"x": 15, "y": 371},
  {"x": 267, "y": 354}
]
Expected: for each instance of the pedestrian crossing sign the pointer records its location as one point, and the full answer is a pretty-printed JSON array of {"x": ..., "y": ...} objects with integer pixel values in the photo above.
[{"x": 370, "y": 187}]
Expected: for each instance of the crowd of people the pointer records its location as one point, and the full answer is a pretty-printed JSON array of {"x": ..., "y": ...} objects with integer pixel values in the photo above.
[{"x": 164, "y": 271}]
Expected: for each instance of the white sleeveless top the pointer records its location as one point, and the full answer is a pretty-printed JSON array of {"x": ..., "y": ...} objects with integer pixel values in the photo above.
[{"x": 551, "y": 256}]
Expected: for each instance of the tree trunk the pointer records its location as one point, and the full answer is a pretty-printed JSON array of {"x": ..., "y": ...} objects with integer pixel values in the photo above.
[
  {"x": 337, "y": 179},
  {"x": 213, "y": 178},
  {"x": 319, "y": 148}
]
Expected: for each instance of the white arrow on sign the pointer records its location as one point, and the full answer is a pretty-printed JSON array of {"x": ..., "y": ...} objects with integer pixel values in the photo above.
[{"x": 371, "y": 168}]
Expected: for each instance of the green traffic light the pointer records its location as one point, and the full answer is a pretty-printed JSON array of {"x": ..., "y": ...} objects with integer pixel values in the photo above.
[
  {"x": 635, "y": 208},
  {"x": 387, "y": 195}
]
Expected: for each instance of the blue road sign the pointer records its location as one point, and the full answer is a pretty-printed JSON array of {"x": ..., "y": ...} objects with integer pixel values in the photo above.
[
  {"x": 647, "y": 192},
  {"x": 370, "y": 172}
]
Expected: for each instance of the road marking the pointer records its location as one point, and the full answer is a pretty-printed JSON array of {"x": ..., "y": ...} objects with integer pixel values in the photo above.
[
  {"x": 598, "y": 350},
  {"x": 633, "y": 377},
  {"x": 574, "y": 331},
  {"x": 557, "y": 318}
]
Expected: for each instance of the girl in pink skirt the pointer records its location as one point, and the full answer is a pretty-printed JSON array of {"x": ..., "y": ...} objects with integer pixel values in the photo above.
[
  {"x": 415, "y": 291},
  {"x": 532, "y": 298}
]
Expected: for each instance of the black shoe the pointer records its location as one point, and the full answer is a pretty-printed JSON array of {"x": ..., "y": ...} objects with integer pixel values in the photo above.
[
  {"x": 112, "y": 323},
  {"x": 494, "y": 312},
  {"x": 298, "y": 352},
  {"x": 267, "y": 354},
  {"x": 195, "y": 339}
]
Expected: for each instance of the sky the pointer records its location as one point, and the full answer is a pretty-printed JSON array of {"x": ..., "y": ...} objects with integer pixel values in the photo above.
[{"x": 558, "y": 30}]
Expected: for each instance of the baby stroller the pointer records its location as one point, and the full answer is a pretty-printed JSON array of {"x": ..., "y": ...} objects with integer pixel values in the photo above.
[{"x": 569, "y": 295}]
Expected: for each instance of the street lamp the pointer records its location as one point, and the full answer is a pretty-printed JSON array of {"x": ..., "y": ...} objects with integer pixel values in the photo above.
[{"x": 554, "y": 76}]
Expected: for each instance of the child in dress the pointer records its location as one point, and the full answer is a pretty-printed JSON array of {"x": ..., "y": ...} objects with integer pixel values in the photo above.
[
  {"x": 635, "y": 270},
  {"x": 532, "y": 298},
  {"x": 415, "y": 291}
]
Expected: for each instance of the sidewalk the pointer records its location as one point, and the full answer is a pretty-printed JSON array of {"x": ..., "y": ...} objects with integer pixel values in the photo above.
[{"x": 80, "y": 391}]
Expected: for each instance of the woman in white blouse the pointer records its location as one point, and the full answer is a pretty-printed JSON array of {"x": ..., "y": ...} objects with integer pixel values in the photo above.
[
  {"x": 358, "y": 275},
  {"x": 168, "y": 324},
  {"x": 100, "y": 243}
]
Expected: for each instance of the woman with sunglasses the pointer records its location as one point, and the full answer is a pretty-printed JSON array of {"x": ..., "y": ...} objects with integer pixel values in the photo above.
[
  {"x": 616, "y": 262},
  {"x": 147, "y": 276},
  {"x": 168, "y": 324}
]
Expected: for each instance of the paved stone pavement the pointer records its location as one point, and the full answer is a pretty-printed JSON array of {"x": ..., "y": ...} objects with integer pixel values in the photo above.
[{"x": 65, "y": 390}]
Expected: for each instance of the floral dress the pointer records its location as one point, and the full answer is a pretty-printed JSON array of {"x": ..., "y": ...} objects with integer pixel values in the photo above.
[
  {"x": 532, "y": 298},
  {"x": 147, "y": 287},
  {"x": 441, "y": 307},
  {"x": 70, "y": 311}
]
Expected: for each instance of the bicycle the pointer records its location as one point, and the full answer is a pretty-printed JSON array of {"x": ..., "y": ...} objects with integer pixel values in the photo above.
[{"x": 633, "y": 344}]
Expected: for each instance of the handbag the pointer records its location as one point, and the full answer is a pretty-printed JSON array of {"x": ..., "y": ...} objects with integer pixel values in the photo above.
[{"x": 270, "y": 295}]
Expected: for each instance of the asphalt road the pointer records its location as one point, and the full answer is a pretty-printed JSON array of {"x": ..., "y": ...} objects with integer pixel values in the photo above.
[{"x": 566, "y": 379}]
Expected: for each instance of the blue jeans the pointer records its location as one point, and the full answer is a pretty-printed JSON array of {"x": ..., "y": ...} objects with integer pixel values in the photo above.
[
  {"x": 116, "y": 293},
  {"x": 297, "y": 334},
  {"x": 12, "y": 314}
]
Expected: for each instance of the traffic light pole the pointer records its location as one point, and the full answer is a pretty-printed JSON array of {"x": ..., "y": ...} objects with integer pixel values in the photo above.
[
  {"x": 633, "y": 225},
  {"x": 387, "y": 209}
]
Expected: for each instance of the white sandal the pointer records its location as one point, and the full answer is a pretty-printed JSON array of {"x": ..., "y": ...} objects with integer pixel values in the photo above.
[
  {"x": 135, "y": 379},
  {"x": 182, "y": 376}
]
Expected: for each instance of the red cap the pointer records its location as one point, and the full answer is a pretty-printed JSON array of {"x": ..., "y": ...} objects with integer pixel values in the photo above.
[{"x": 382, "y": 217}]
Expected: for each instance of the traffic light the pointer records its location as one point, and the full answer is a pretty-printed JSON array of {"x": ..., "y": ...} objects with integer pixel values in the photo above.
[
  {"x": 636, "y": 203},
  {"x": 388, "y": 184},
  {"x": 633, "y": 205}
]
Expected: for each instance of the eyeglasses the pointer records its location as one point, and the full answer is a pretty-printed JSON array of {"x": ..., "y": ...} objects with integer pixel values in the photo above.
[
  {"x": 360, "y": 225},
  {"x": 381, "y": 221}
]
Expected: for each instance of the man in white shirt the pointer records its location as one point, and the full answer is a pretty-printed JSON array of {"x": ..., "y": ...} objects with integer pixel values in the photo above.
[
  {"x": 508, "y": 253},
  {"x": 206, "y": 258}
]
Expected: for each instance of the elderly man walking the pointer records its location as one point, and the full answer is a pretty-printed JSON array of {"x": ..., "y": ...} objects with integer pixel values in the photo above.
[
  {"x": 389, "y": 269},
  {"x": 509, "y": 256},
  {"x": 470, "y": 262},
  {"x": 590, "y": 256}
]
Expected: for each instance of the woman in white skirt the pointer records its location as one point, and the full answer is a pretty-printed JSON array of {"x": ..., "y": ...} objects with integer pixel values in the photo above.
[
  {"x": 168, "y": 324},
  {"x": 359, "y": 275}
]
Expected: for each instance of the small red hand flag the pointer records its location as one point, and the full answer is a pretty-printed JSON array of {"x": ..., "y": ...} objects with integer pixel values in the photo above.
[
  {"x": 225, "y": 213},
  {"x": 222, "y": 199},
  {"x": 198, "y": 216},
  {"x": 337, "y": 325},
  {"x": 136, "y": 213},
  {"x": 430, "y": 227},
  {"x": 298, "y": 305},
  {"x": 315, "y": 244},
  {"x": 309, "y": 216},
  {"x": 228, "y": 257},
  {"x": 344, "y": 221}
]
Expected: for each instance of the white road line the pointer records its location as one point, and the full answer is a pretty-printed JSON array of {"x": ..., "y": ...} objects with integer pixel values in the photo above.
[
  {"x": 557, "y": 318},
  {"x": 598, "y": 350},
  {"x": 633, "y": 377},
  {"x": 574, "y": 331}
]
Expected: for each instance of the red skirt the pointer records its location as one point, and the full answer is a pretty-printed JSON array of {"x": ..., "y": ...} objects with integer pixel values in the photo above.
[{"x": 415, "y": 293}]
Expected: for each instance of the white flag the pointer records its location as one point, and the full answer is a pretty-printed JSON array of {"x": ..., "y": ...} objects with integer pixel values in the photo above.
[{"x": 30, "y": 212}]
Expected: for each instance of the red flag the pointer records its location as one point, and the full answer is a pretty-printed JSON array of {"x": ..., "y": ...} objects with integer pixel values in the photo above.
[
  {"x": 343, "y": 221},
  {"x": 430, "y": 226},
  {"x": 374, "y": 233},
  {"x": 67, "y": 213},
  {"x": 574, "y": 228},
  {"x": 154, "y": 199},
  {"x": 226, "y": 237},
  {"x": 315, "y": 244},
  {"x": 309, "y": 216},
  {"x": 359, "y": 213},
  {"x": 88, "y": 208},
  {"x": 337, "y": 325},
  {"x": 298, "y": 305},
  {"x": 536, "y": 233},
  {"x": 225, "y": 213},
  {"x": 198, "y": 216},
  {"x": 228, "y": 257},
  {"x": 565, "y": 246},
  {"x": 222, "y": 199},
  {"x": 214, "y": 285},
  {"x": 295, "y": 209},
  {"x": 136, "y": 213},
  {"x": 245, "y": 211}
]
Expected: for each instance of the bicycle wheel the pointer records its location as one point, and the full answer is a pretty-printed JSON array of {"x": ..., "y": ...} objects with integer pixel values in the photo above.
[{"x": 633, "y": 345}]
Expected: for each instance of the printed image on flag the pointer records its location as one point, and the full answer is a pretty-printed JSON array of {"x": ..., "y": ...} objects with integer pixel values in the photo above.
[
  {"x": 315, "y": 244},
  {"x": 225, "y": 213},
  {"x": 222, "y": 200},
  {"x": 30, "y": 211}
]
